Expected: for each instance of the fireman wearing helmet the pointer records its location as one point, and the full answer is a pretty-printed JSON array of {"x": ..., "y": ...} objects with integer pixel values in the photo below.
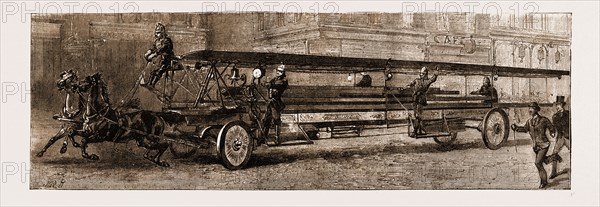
[
  {"x": 420, "y": 87},
  {"x": 159, "y": 56},
  {"x": 277, "y": 86}
]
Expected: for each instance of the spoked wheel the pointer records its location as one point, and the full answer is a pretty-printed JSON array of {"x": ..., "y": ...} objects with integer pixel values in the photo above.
[
  {"x": 446, "y": 140},
  {"x": 235, "y": 145},
  {"x": 495, "y": 128}
]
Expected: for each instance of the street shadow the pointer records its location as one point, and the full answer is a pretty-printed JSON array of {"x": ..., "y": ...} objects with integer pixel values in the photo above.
[
  {"x": 201, "y": 158},
  {"x": 479, "y": 145},
  {"x": 559, "y": 179},
  {"x": 513, "y": 143},
  {"x": 296, "y": 142},
  {"x": 110, "y": 155},
  {"x": 131, "y": 162},
  {"x": 272, "y": 157},
  {"x": 130, "y": 157}
]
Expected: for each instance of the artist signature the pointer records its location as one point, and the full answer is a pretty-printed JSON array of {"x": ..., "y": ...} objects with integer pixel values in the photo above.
[{"x": 56, "y": 184}]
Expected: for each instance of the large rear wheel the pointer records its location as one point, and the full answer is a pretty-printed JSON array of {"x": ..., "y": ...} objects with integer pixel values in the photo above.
[
  {"x": 495, "y": 128},
  {"x": 235, "y": 145}
]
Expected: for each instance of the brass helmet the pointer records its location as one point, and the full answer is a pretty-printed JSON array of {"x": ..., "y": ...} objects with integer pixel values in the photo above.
[
  {"x": 424, "y": 72},
  {"x": 160, "y": 28},
  {"x": 281, "y": 68}
]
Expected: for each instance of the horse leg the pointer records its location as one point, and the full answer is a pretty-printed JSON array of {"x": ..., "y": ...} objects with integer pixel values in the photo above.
[
  {"x": 162, "y": 147},
  {"x": 160, "y": 144},
  {"x": 63, "y": 149},
  {"x": 143, "y": 143},
  {"x": 56, "y": 137},
  {"x": 70, "y": 131},
  {"x": 72, "y": 137},
  {"x": 84, "y": 154},
  {"x": 147, "y": 154}
]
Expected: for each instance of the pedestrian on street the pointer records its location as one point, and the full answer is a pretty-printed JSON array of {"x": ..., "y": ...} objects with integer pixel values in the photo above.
[
  {"x": 561, "y": 121},
  {"x": 537, "y": 126}
]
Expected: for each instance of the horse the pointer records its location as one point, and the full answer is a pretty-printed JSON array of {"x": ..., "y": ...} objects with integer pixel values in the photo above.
[
  {"x": 102, "y": 123},
  {"x": 70, "y": 114}
]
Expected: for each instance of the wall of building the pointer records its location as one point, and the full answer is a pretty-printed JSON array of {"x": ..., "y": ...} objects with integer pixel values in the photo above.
[
  {"x": 232, "y": 31},
  {"x": 530, "y": 41},
  {"x": 46, "y": 58},
  {"x": 112, "y": 44},
  {"x": 533, "y": 41}
]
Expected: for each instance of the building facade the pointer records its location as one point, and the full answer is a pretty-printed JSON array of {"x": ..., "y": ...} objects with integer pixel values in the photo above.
[{"x": 533, "y": 41}]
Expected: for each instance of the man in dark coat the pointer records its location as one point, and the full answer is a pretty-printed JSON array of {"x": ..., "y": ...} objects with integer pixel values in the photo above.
[
  {"x": 277, "y": 86},
  {"x": 366, "y": 80},
  {"x": 487, "y": 90},
  {"x": 420, "y": 87},
  {"x": 160, "y": 55},
  {"x": 561, "y": 121},
  {"x": 537, "y": 126}
]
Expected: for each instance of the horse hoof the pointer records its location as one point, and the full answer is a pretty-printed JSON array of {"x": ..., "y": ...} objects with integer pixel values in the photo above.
[
  {"x": 163, "y": 164},
  {"x": 63, "y": 149},
  {"x": 93, "y": 157},
  {"x": 39, "y": 154}
]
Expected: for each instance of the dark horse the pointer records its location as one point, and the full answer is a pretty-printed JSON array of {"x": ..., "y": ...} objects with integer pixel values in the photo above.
[{"x": 104, "y": 123}]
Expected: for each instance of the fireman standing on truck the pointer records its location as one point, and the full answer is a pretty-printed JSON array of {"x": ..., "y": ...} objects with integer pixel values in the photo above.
[
  {"x": 277, "y": 86},
  {"x": 419, "y": 96}
]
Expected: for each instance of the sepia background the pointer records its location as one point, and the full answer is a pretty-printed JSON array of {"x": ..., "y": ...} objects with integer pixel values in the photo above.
[
  {"x": 15, "y": 143},
  {"x": 113, "y": 44}
]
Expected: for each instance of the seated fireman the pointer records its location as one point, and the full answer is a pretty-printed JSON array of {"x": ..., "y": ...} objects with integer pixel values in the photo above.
[
  {"x": 159, "y": 56},
  {"x": 487, "y": 90},
  {"x": 366, "y": 80}
]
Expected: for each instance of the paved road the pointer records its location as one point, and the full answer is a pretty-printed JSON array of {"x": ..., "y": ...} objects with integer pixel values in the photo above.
[{"x": 380, "y": 159}]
